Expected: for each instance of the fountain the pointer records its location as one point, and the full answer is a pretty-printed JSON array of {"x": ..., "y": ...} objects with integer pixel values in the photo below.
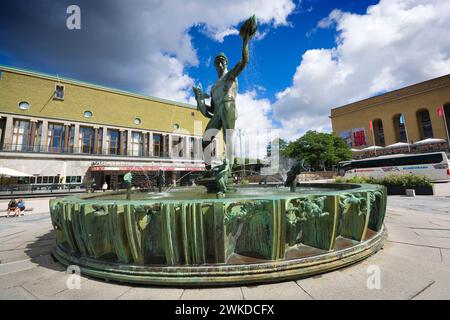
[{"x": 224, "y": 234}]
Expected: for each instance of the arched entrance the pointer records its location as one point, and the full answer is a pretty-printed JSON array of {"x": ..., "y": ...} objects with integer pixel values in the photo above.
[
  {"x": 399, "y": 128},
  {"x": 424, "y": 122},
  {"x": 378, "y": 132}
]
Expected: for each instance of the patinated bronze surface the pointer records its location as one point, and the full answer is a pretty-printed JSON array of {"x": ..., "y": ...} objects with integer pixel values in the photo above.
[{"x": 231, "y": 240}]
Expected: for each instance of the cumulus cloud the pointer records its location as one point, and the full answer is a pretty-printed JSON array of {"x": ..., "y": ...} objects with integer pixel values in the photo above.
[
  {"x": 254, "y": 124},
  {"x": 394, "y": 44},
  {"x": 137, "y": 45}
]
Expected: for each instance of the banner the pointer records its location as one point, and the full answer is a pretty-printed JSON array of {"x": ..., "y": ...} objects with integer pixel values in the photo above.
[{"x": 359, "y": 137}]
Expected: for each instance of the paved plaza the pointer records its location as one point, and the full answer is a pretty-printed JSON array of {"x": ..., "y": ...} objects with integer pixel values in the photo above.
[{"x": 414, "y": 264}]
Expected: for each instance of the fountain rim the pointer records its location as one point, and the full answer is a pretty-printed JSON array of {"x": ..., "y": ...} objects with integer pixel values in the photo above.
[
  {"x": 353, "y": 188},
  {"x": 225, "y": 274}
]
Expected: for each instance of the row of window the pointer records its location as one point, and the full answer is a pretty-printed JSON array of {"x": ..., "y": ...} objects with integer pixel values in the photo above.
[
  {"x": 27, "y": 136},
  {"x": 48, "y": 180},
  {"x": 423, "y": 122}
]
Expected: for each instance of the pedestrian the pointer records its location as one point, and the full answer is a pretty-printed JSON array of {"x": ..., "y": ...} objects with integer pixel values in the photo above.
[
  {"x": 12, "y": 206},
  {"x": 21, "y": 206},
  {"x": 105, "y": 186}
]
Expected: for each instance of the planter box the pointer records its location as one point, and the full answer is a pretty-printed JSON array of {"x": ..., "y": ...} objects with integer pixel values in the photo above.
[{"x": 398, "y": 190}]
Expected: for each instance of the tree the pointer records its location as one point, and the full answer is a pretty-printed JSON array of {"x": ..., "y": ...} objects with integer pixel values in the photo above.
[{"x": 319, "y": 150}]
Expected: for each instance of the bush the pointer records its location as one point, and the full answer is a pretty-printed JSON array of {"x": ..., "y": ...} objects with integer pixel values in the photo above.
[
  {"x": 245, "y": 181},
  {"x": 404, "y": 180}
]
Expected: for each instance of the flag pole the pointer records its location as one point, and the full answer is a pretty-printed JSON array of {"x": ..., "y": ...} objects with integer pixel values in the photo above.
[
  {"x": 406, "y": 132},
  {"x": 441, "y": 113},
  {"x": 373, "y": 136}
]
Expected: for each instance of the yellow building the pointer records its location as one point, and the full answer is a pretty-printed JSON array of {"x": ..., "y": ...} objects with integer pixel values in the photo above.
[
  {"x": 408, "y": 115},
  {"x": 63, "y": 130}
]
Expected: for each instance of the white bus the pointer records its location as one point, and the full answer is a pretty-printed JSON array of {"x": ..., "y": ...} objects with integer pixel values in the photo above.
[{"x": 433, "y": 165}]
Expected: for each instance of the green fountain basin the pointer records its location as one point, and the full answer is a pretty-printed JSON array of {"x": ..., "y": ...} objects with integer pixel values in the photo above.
[{"x": 189, "y": 237}]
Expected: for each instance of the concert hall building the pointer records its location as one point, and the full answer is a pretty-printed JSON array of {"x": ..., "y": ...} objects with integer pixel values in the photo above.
[{"x": 60, "y": 130}]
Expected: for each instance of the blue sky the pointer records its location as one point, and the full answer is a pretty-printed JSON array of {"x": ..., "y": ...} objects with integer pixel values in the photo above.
[
  {"x": 275, "y": 57},
  {"x": 311, "y": 56}
]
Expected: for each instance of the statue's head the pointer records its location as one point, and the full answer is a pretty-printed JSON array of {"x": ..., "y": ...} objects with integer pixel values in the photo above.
[{"x": 220, "y": 63}]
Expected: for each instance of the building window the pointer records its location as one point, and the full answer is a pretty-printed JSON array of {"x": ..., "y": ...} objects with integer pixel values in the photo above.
[
  {"x": 157, "y": 145},
  {"x": 425, "y": 127},
  {"x": 400, "y": 130},
  {"x": 88, "y": 114},
  {"x": 87, "y": 138},
  {"x": 137, "y": 121},
  {"x": 192, "y": 147},
  {"x": 378, "y": 132},
  {"x": 24, "y": 105},
  {"x": 59, "y": 92},
  {"x": 124, "y": 142},
  {"x": 98, "y": 136},
  {"x": 137, "y": 144},
  {"x": 60, "y": 138},
  {"x": 160, "y": 145},
  {"x": 21, "y": 135},
  {"x": 177, "y": 147},
  {"x": 55, "y": 137},
  {"x": 112, "y": 141}
]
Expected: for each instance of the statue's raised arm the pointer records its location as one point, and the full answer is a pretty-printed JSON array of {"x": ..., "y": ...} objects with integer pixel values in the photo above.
[{"x": 247, "y": 32}]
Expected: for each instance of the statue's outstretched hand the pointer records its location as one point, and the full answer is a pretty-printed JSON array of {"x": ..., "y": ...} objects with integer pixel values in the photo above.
[{"x": 249, "y": 28}]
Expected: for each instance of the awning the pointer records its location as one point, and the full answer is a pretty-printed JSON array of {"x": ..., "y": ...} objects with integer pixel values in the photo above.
[
  {"x": 398, "y": 145},
  {"x": 6, "y": 172},
  {"x": 144, "y": 168},
  {"x": 429, "y": 141},
  {"x": 372, "y": 148}
]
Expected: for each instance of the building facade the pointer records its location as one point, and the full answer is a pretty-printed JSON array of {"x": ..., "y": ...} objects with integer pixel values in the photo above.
[
  {"x": 67, "y": 131},
  {"x": 411, "y": 114}
]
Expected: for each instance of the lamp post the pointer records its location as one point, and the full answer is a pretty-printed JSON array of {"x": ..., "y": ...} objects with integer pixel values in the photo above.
[{"x": 240, "y": 147}]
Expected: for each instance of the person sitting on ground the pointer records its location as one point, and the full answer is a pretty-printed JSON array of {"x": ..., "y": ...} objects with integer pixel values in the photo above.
[
  {"x": 12, "y": 206},
  {"x": 21, "y": 206}
]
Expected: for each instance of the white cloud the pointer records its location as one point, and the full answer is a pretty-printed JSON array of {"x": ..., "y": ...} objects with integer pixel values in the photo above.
[
  {"x": 253, "y": 120},
  {"x": 170, "y": 47},
  {"x": 394, "y": 44},
  {"x": 144, "y": 46}
]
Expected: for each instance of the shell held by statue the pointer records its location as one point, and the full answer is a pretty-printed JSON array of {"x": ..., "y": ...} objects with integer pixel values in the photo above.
[{"x": 249, "y": 27}]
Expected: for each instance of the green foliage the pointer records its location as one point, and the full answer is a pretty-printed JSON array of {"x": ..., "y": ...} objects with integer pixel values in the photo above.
[
  {"x": 320, "y": 150},
  {"x": 404, "y": 180},
  {"x": 245, "y": 182}
]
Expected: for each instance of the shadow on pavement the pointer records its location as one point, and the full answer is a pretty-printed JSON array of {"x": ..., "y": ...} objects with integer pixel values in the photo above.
[{"x": 40, "y": 251}]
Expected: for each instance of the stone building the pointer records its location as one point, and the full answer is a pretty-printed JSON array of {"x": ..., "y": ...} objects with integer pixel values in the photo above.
[
  {"x": 65, "y": 131},
  {"x": 411, "y": 114}
]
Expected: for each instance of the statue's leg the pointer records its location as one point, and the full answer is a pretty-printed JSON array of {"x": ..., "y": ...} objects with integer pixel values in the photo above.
[
  {"x": 213, "y": 127},
  {"x": 228, "y": 122}
]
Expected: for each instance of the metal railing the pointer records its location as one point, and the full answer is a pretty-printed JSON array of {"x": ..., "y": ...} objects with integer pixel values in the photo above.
[
  {"x": 86, "y": 151},
  {"x": 22, "y": 189}
]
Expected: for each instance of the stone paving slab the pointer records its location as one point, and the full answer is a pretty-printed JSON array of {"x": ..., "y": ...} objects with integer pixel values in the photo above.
[
  {"x": 93, "y": 290},
  {"x": 48, "y": 287},
  {"x": 231, "y": 293},
  {"x": 277, "y": 291},
  {"x": 142, "y": 293},
  {"x": 16, "y": 293},
  {"x": 18, "y": 278},
  {"x": 414, "y": 264}
]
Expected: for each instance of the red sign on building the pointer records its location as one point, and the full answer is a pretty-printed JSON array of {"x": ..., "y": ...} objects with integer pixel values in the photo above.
[{"x": 359, "y": 137}]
